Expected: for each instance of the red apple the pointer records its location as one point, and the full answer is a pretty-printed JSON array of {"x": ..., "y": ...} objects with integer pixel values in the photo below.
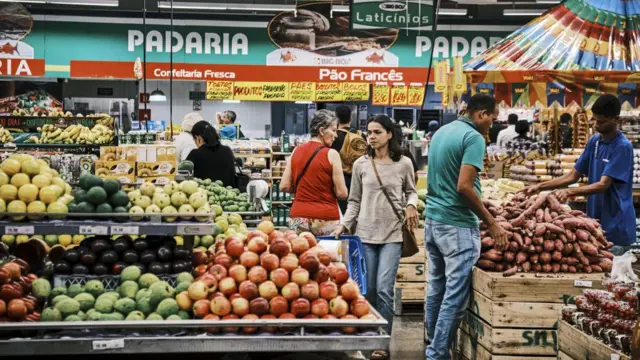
[
  {"x": 210, "y": 280},
  {"x": 257, "y": 245},
  {"x": 300, "y": 276},
  {"x": 250, "y": 330},
  {"x": 224, "y": 260},
  {"x": 360, "y": 307},
  {"x": 258, "y": 233},
  {"x": 289, "y": 262},
  {"x": 349, "y": 330},
  {"x": 268, "y": 329},
  {"x": 269, "y": 261},
  {"x": 320, "y": 307},
  {"x": 328, "y": 290},
  {"x": 249, "y": 259},
  {"x": 321, "y": 275},
  {"x": 289, "y": 233},
  {"x": 287, "y": 316},
  {"x": 300, "y": 307},
  {"x": 280, "y": 277},
  {"x": 338, "y": 307},
  {"x": 309, "y": 260},
  {"x": 248, "y": 290},
  {"x": 324, "y": 257},
  {"x": 310, "y": 290},
  {"x": 234, "y": 296},
  {"x": 201, "y": 308},
  {"x": 349, "y": 291},
  {"x": 234, "y": 246},
  {"x": 219, "y": 271},
  {"x": 227, "y": 286},
  {"x": 230, "y": 329},
  {"x": 278, "y": 306},
  {"x": 240, "y": 306},
  {"x": 197, "y": 271},
  {"x": 220, "y": 306},
  {"x": 257, "y": 274},
  {"x": 268, "y": 290},
  {"x": 183, "y": 300},
  {"x": 238, "y": 273},
  {"x": 212, "y": 317},
  {"x": 266, "y": 227},
  {"x": 311, "y": 239},
  {"x": 291, "y": 291},
  {"x": 199, "y": 257},
  {"x": 198, "y": 290},
  {"x": 280, "y": 248},
  {"x": 299, "y": 245},
  {"x": 213, "y": 295},
  {"x": 339, "y": 273},
  {"x": 276, "y": 234},
  {"x": 259, "y": 306},
  {"x": 368, "y": 317}
]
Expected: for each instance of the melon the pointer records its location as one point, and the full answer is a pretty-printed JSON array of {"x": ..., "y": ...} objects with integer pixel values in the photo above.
[
  {"x": 10, "y": 166},
  {"x": 28, "y": 193}
]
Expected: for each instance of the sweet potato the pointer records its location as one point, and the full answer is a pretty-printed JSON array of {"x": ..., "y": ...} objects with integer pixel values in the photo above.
[
  {"x": 547, "y": 268},
  {"x": 564, "y": 268},
  {"x": 559, "y": 224},
  {"x": 506, "y": 226},
  {"x": 559, "y": 245},
  {"x": 538, "y": 241},
  {"x": 593, "y": 259},
  {"x": 572, "y": 223},
  {"x": 508, "y": 256},
  {"x": 564, "y": 260},
  {"x": 583, "y": 259},
  {"x": 596, "y": 268},
  {"x": 576, "y": 213},
  {"x": 518, "y": 238},
  {"x": 548, "y": 246},
  {"x": 533, "y": 258},
  {"x": 483, "y": 234},
  {"x": 493, "y": 255},
  {"x": 487, "y": 242},
  {"x": 539, "y": 249},
  {"x": 606, "y": 264},
  {"x": 607, "y": 254},
  {"x": 572, "y": 269},
  {"x": 554, "y": 204},
  {"x": 532, "y": 249},
  {"x": 540, "y": 215},
  {"x": 555, "y": 268},
  {"x": 526, "y": 266},
  {"x": 547, "y": 215},
  {"x": 514, "y": 247},
  {"x": 512, "y": 271},
  {"x": 568, "y": 249},
  {"x": 527, "y": 240},
  {"x": 588, "y": 248},
  {"x": 556, "y": 256},
  {"x": 499, "y": 267},
  {"x": 571, "y": 236},
  {"x": 545, "y": 258},
  {"x": 554, "y": 228},
  {"x": 579, "y": 267},
  {"x": 587, "y": 269},
  {"x": 572, "y": 261},
  {"x": 521, "y": 257},
  {"x": 530, "y": 225},
  {"x": 582, "y": 235},
  {"x": 486, "y": 264},
  {"x": 554, "y": 214},
  {"x": 563, "y": 238},
  {"x": 540, "y": 229},
  {"x": 500, "y": 218},
  {"x": 536, "y": 267}
]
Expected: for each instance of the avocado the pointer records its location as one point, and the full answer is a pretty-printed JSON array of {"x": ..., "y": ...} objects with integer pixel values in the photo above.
[
  {"x": 111, "y": 186},
  {"x": 100, "y": 245},
  {"x": 80, "y": 269},
  {"x": 156, "y": 268},
  {"x": 164, "y": 253},
  {"x": 109, "y": 257},
  {"x": 130, "y": 273},
  {"x": 167, "y": 268},
  {"x": 58, "y": 290},
  {"x": 117, "y": 268},
  {"x": 124, "y": 306},
  {"x": 146, "y": 280},
  {"x": 130, "y": 256},
  {"x": 185, "y": 277},
  {"x": 85, "y": 300},
  {"x": 180, "y": 253},
  {"x": 121, "y": 244},
  {"x": 94, "y": 287},
  {"x": 148, "y": 256},
  {"x": 96, "y": 195},
  {"x": 140, "y": 245},
  {"x": 62, "y": 267},
  {"x": 168, "y": 307},
  {"x": 51, "y": 314},
  {"x": 100, "y": 269},
  {"x": 116, "y": 316},
  {"x": 72, "y": 256},
  {"x": 88, "y": 258}
]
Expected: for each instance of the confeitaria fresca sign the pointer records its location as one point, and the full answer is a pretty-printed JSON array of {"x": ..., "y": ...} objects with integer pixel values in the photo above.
[{"x": 402, "y": 14}]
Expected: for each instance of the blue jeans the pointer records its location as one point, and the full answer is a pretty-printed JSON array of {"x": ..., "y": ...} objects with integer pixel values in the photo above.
[
  {"x": 382, "y": 265},
  {"x": 453, "y": 251}
]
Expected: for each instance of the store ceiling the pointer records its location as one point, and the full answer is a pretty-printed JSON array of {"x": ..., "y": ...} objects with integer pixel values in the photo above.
[{"x": 478, "y": 11}]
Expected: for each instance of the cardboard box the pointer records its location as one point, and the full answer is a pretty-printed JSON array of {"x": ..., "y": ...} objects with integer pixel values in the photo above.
[
  {"x": 121, "y": 167},
  {"x": 124, "y": 179},
  {"x": 113, "y": 153},
  {"x": 159, "y": 180},
  {"x": 166, "y": 153},
  {"x": 158, "y": 168}
]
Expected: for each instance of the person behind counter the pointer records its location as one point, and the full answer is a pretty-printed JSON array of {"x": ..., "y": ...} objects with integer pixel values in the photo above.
[
  {"x": 608, "y": 162},
  {"x": 509, "y": 133},
  {"x": 184, "y": 142},
  {"x": 211, "y": 159},
  {"x": 228, "y": 127}
]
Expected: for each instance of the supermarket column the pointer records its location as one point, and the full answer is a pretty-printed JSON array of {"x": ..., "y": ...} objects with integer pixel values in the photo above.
[{"x": 452, "y": 234}]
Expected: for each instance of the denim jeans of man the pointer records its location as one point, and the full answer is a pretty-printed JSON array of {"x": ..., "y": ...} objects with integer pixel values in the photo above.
[
  {"x": 452, "y": 253},
  {"x": 382, "y": 262}
]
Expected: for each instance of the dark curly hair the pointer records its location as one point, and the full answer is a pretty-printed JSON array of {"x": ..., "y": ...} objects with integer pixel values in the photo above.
[{"x": 395, "y": 143}]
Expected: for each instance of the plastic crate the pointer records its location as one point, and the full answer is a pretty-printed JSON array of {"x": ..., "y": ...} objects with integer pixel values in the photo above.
[
  {"x": 356, "y": 265},
  {"x": 110, "y": 282}
]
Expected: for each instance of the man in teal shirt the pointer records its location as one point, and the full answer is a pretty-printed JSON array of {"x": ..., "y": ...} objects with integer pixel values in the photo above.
[{"x": 452, "y": 234}]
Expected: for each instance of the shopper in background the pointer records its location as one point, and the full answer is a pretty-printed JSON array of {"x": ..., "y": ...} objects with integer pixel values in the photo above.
[
  {"x": 566, "y": 132},
  {"x": 211, "y": 159},
  {"x": 373, "y": 216},
  {"x": 608, "y": 162},
  {"x": 228, "y": 129},
  {"x": 314, "y": 176},
  {"x": 509, "y": 133},
  {"x": 184, "y": 142},
  {"x": 350, "y": 144},
  {"x": 433, "y": 127},
  {"x": 496, "y": 128},
  {"x": 452, "y": 234}
]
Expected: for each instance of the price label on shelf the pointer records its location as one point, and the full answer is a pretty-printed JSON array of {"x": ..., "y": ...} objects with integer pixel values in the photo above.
[
  {"x": 93, "y": 230},
  {"x": 583, "y": 283},
  {"x": 19, "y": 230},
  {"x": 155, "y": 218},
  {"x": 615, "y": 357},
  {"x": 195, "y": 229},
  {"x": 108, "y": 344},
  {"x": 124, "y": 230}
]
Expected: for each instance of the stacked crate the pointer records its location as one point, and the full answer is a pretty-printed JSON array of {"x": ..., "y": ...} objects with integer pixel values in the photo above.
[{"x": 411, "y": 279}]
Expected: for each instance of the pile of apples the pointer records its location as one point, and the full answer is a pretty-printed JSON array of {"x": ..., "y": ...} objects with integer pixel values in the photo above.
[{"x": 271, "y": 275}]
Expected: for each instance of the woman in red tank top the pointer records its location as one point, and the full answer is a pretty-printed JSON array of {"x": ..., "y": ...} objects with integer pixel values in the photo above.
[{"x": 318, "y": 188}]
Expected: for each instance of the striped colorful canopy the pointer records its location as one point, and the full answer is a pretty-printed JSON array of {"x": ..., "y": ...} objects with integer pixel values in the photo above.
[{"x": 602, "y": 35}]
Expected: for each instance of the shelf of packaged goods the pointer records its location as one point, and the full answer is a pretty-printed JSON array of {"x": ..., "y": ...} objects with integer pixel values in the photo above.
[{"x": 302, "y": 335}]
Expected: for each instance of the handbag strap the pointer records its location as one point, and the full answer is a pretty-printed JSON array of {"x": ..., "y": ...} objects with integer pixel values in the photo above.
[
  {"x": 304, "y": 170},
  {"x": 384, "y": 191}
]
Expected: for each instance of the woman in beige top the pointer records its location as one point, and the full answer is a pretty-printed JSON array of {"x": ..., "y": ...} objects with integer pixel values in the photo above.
[{"x": 373, "y": 216}]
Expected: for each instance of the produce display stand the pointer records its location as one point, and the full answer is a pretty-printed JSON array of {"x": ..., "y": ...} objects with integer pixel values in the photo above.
[
  {"x": 574, "y": 344},
  {"x": 410, "y": 287},
  {"x": 79, "y": 338},
  {"x": 517, "y": 317}
]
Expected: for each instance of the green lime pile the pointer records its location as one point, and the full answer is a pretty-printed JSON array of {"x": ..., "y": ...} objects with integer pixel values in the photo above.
[
  {"x": 98, "y": 196},
  {"x": 225, "y": 198}
]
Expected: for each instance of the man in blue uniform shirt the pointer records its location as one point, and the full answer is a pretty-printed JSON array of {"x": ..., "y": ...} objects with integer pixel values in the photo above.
[{"x": 608, "y": 162}]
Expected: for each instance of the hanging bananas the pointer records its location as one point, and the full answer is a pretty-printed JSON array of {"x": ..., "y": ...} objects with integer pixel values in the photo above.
[{"x": 76, "y": 134}]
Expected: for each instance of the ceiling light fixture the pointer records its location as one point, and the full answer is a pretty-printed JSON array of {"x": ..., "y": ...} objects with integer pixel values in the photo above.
[
  {"x": 157, "y": 96},
  {"x": 452, "y": 12},
  {"x": 112, "y": 3},
  {"x": 523, "y": 12},
  {"x": 303, "y": 102},
  {"x": 231, "y": 101}
]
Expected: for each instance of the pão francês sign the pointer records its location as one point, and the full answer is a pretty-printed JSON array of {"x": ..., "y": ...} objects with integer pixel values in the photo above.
[{"x": 400, "y": 14}]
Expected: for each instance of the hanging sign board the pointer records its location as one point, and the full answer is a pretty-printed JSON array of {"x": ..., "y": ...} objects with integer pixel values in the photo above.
[
  {"x": 219, "y": 90},
  {"x": 302, "y": 91},
  {"x": 329, "y": 92},
  {"x": 380, "y": 95},
  {"x": 399, "y": 14},
  {"x": 415, "y": 95},
  {"x": 398, "y": 95},
  {"x": 356, "y": 91},
  {"x": 261, "y": 91}
]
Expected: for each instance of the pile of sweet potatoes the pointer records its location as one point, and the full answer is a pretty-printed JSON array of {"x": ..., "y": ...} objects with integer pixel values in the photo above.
[{"x": 545, "y": 236}]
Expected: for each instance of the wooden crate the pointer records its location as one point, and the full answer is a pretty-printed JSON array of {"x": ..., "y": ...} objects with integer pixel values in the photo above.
[
  {"x": 469, "y": 348},
  {"x": 411, "y": 292},
  {"x": 578, "y": 345},
  {"x": 515, "y": 314},
  {"x": 411, "y": 273},
  {"x": 563, "y": 356},
  {"x": 418, "y": 258},
  {"x": 419, "y": 233},
  {"x": 533, "y": 287},
  {"x": 511, "y": 341}
]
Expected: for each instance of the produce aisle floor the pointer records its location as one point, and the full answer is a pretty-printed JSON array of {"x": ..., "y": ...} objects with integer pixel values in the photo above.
[{"x": 406, "y": 344}]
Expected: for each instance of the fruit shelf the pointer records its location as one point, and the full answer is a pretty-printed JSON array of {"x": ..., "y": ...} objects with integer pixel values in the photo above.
[{"x": 76, "y": 338}]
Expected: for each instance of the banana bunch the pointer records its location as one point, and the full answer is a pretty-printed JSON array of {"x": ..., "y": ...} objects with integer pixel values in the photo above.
[
  {"x": 5, "y": 136},
  {"x": 74, "y": 134},
  {"x": 104, "y": 119},
  {"x": 102, "y": 134}
]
